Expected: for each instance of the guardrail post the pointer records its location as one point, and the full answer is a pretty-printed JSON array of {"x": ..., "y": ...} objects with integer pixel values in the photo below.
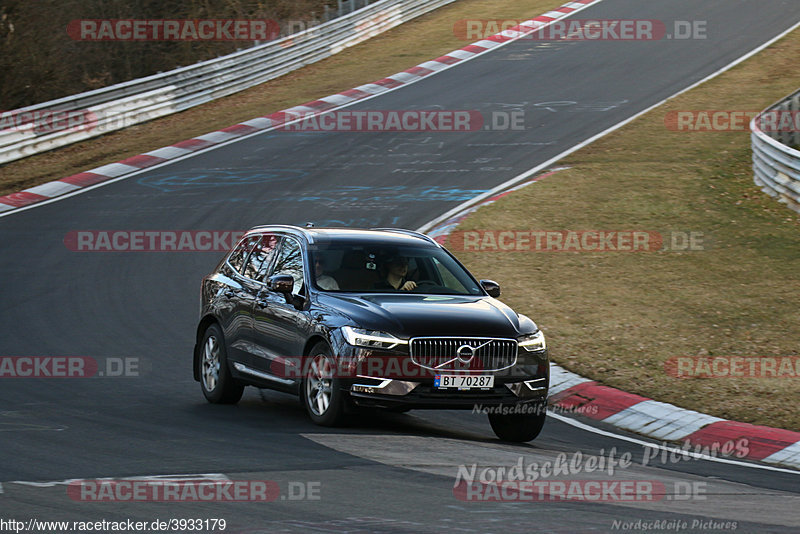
[
  {"x": 785, "y": 136},
  {"x": 796, "y": 117}
]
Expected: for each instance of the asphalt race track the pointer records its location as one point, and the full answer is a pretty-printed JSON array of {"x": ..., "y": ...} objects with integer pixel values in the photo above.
[{"x": 393, "y": 473}]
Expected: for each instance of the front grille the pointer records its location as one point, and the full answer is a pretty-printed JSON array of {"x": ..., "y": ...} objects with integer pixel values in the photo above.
[{"x": 441, "y": 353}]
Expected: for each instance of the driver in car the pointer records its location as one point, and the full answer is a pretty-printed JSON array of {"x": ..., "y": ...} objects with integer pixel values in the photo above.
[
  {"x": 324, "y": 281},
  {"x": 396, "y": 271}
]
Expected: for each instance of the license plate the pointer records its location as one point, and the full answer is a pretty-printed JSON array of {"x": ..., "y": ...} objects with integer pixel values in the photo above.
[{"x": 463, "y": 381}]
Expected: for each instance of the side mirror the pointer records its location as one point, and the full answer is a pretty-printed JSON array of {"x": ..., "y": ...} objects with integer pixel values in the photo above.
[
  {"x": 281, "y": 283},
  {"x": 491, "y": 287}
]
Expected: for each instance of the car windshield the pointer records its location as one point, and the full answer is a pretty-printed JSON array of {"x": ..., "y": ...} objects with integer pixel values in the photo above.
[{"x": 377, "y": 268}]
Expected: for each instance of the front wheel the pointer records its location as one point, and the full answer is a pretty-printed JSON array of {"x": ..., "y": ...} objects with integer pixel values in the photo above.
[
  {"x": 218, "y": 386},
  {"x": 321, "y": 389},
  {"x": 517, "y": 428}
]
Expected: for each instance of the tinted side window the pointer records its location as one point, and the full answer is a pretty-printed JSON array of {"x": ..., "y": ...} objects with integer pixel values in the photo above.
[
  {"x": 290, "y": 261},
  {"x": 261, "y": 256},
  {"x": 239, "y": 254}
]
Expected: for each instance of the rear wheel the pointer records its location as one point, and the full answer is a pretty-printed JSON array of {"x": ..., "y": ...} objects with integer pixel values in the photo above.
[
  {"x": 218, "y": 386},
  {"x": 517, "y": 427},
  {"x": 321, "y": 389}
]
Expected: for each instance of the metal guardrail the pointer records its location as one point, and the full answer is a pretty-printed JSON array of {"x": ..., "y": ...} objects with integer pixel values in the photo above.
[
  {"x": 776, "y": 165},
  {"x": 342, "y": 8},
  {"x": 125, "y": 104}
]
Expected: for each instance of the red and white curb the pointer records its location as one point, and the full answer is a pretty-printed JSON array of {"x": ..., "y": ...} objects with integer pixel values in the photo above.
[
  {"x": 641, "y": 415},
  {"x": 667, "y": 422},
  {"x": 133, "y": 164}
]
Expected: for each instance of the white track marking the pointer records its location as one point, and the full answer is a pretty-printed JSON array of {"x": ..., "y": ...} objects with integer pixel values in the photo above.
[
  {"x": 527, "y": 174},
  {"x": 212, "y": 477}
]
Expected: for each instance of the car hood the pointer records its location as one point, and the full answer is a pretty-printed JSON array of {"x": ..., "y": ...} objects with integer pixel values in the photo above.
[{"x": 413, "y": 315}]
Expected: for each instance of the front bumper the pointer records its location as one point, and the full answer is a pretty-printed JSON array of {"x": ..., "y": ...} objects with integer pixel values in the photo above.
[
  {"x": 397, "y": 394},
  {"x": 388, "y": 379}
]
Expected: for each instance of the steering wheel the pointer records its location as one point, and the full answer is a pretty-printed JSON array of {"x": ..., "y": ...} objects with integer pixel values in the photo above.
[{"x": 425, "y": 283}]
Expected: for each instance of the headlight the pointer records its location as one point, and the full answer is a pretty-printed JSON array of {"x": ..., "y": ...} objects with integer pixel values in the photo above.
[
  {"x": 532, "y": 342},
  {"x": 373, "y": 339}
]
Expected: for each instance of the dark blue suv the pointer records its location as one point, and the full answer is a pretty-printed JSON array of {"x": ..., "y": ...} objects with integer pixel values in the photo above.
[{"x": 381, "y": 318}]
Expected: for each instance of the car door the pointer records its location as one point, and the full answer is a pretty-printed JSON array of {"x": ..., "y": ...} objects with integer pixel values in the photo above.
[
  {"x": 259, "y": 259},
  {"x": 235, "y": 300},
  {"x": 280, "y": 328}
]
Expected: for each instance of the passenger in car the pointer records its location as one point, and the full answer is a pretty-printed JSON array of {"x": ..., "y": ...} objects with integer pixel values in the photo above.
[{"x": 396, "y": 269}]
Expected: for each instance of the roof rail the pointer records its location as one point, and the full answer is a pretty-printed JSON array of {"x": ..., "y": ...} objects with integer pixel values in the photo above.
[
  {"x": 293, "y": 228},
  {"x": 409, "y": 232},
  {"x": 288, "y": 226}
]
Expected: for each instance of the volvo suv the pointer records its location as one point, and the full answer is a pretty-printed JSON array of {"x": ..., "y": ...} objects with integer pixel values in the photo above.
[{"x": 381, "y": 318}]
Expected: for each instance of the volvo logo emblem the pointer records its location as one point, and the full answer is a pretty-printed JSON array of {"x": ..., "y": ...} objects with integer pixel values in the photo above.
[{"x": 465, "y": 353}]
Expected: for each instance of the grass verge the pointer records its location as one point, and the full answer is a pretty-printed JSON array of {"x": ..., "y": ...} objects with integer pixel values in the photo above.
[
  {"x": 422, "y": 39},
  {"x": 618, "y": 317}
]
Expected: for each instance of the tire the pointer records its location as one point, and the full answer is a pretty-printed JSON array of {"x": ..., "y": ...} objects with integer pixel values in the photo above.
[
  {"x": 321, "y": 391},
  {"x": 517, "y": 428},
  {"x": 218, "y": 386}
]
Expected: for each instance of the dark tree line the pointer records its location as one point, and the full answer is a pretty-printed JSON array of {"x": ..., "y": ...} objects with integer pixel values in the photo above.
[{"x": 39, "y": 61}]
